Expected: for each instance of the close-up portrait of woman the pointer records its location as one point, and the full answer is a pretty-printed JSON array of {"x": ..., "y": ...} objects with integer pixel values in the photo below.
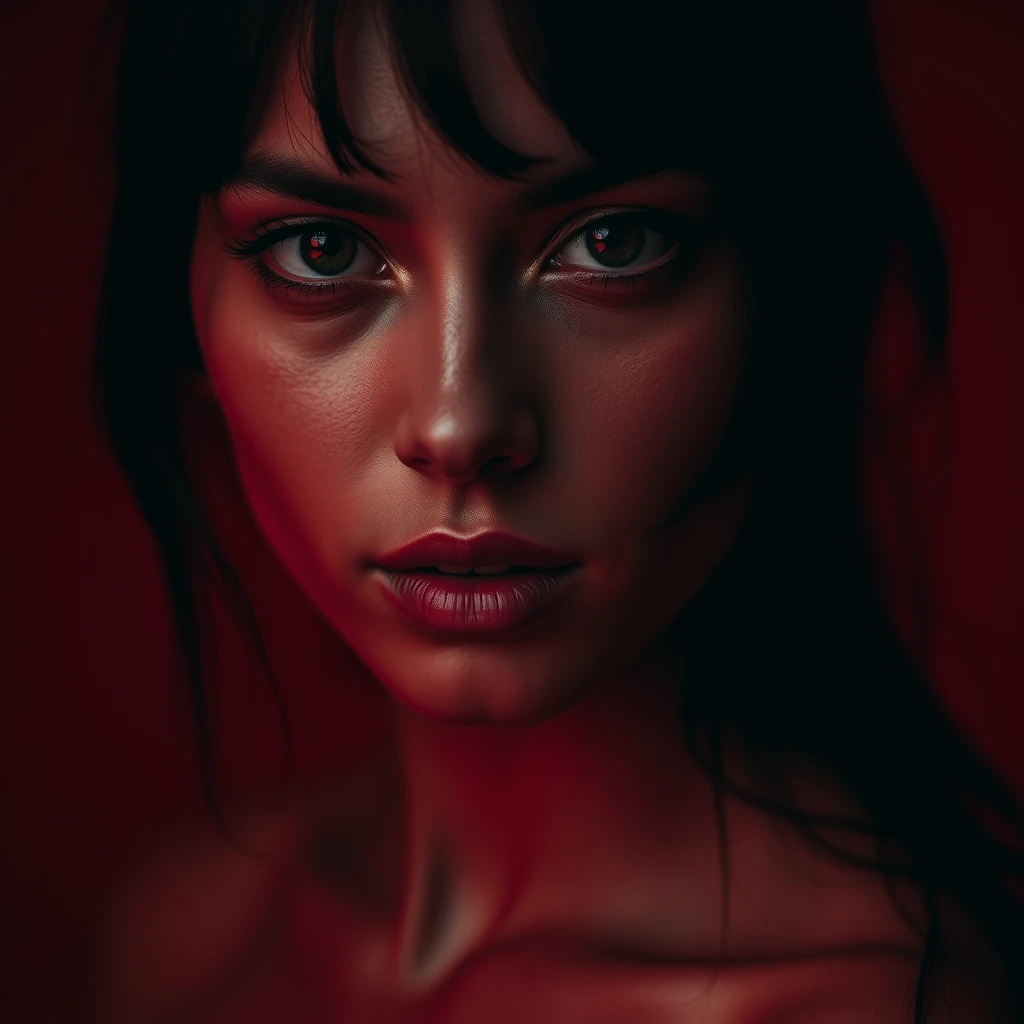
[{"x": 539, "y": 533}]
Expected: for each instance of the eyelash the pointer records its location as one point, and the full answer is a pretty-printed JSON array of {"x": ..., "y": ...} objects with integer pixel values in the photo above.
[
  {"x": 251, "y": 250},
  {"x": 285, "y": 285}
]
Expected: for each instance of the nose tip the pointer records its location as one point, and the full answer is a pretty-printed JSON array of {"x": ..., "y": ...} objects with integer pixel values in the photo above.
[{"x": 450, "y": 448}]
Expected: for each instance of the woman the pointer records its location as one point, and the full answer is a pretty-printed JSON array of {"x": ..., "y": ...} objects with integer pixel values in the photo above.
[{"x": 539, "y": 334}]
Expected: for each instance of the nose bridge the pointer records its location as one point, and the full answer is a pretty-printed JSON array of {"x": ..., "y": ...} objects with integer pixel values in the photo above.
[
  {"x": 461, "y": 354},
  {"x": 466, "y": 417}
]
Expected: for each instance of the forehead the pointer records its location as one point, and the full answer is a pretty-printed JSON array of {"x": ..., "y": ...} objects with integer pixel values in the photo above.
[{"x": 384, "y": 118}]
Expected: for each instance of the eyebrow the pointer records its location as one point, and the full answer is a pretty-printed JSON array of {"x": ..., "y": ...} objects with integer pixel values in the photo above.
[
  {"x": 282, "y": 177},
  {"x": 585, "y": 181}
]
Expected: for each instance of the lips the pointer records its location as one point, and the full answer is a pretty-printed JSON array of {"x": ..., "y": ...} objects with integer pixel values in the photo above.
[
  {"x": 480, "y": 570},
  {"x": 485, "y": 554},
  {"x": 489, "y": 584}
]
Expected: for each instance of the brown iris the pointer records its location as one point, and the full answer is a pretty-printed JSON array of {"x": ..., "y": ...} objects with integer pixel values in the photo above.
[
  {"x": 615, "y": 241},
  {"x": 328, "y": 250}
]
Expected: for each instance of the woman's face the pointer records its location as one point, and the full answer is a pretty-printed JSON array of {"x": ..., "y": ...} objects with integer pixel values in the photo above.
[{"x": 556, "y": 358}]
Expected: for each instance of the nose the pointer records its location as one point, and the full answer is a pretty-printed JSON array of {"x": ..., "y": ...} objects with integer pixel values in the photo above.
[{"x": 467, "y": 419}]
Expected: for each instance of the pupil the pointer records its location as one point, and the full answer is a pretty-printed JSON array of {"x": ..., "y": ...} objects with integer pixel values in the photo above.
[
  {"x": 328, "y": 250},
  {"x": 615, "y": 243}
]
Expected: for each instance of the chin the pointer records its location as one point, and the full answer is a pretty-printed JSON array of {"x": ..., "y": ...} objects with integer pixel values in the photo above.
[{"x": 461, "y": 687}]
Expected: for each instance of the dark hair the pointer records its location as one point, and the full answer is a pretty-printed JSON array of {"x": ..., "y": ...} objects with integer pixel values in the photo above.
[{"x": 789, "y": 647}]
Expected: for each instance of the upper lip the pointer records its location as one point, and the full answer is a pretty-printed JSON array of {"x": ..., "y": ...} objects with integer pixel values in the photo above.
[{"x": 483, "y": 549}]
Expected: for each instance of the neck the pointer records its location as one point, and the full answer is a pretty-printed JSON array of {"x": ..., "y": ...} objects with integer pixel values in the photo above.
[{"x": 586, "y": 822}]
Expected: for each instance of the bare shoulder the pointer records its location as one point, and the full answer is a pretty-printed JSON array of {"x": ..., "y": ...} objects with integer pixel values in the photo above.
[
  {"x": 200, "y": 905},
  {"x": 184, "y": 910}
]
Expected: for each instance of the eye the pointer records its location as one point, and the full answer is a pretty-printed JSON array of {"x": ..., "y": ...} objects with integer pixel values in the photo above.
[
  {"x": 617, "y": 242},
  {"x": 324, "y": 251}
]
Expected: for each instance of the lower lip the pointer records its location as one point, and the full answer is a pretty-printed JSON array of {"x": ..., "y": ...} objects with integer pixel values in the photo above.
[{"x": 475, "y": 605}]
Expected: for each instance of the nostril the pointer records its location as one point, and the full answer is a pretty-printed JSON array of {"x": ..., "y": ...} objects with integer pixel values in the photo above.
[
  {"x": 463, "y": 451},
  {"x": 497, "y": 464}
]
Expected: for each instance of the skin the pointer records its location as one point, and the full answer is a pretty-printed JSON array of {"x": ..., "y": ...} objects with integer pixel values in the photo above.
[
  {"x": 538, "y": 792},
  {"x": 357, "y": 429}
]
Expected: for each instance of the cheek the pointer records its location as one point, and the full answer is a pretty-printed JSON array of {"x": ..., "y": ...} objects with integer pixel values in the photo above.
[
  {"x": 635, "y": 406},
  {"x": 649, "y": 415},
  {"x": 651, "y": 427},
  {"x": 301, "y": 419}
]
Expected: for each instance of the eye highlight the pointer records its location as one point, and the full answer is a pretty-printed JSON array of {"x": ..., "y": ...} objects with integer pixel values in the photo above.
[
  {"x": 324, "y": 251},
  {"x": 330, "y": 262},
  {"x": 311, "y": 259},
  {"x": 617, "y": 242},
  {"x": 631, "y": 251}
]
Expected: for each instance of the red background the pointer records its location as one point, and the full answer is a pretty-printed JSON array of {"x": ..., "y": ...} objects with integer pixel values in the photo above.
[{"x": 95, "y": 761}]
